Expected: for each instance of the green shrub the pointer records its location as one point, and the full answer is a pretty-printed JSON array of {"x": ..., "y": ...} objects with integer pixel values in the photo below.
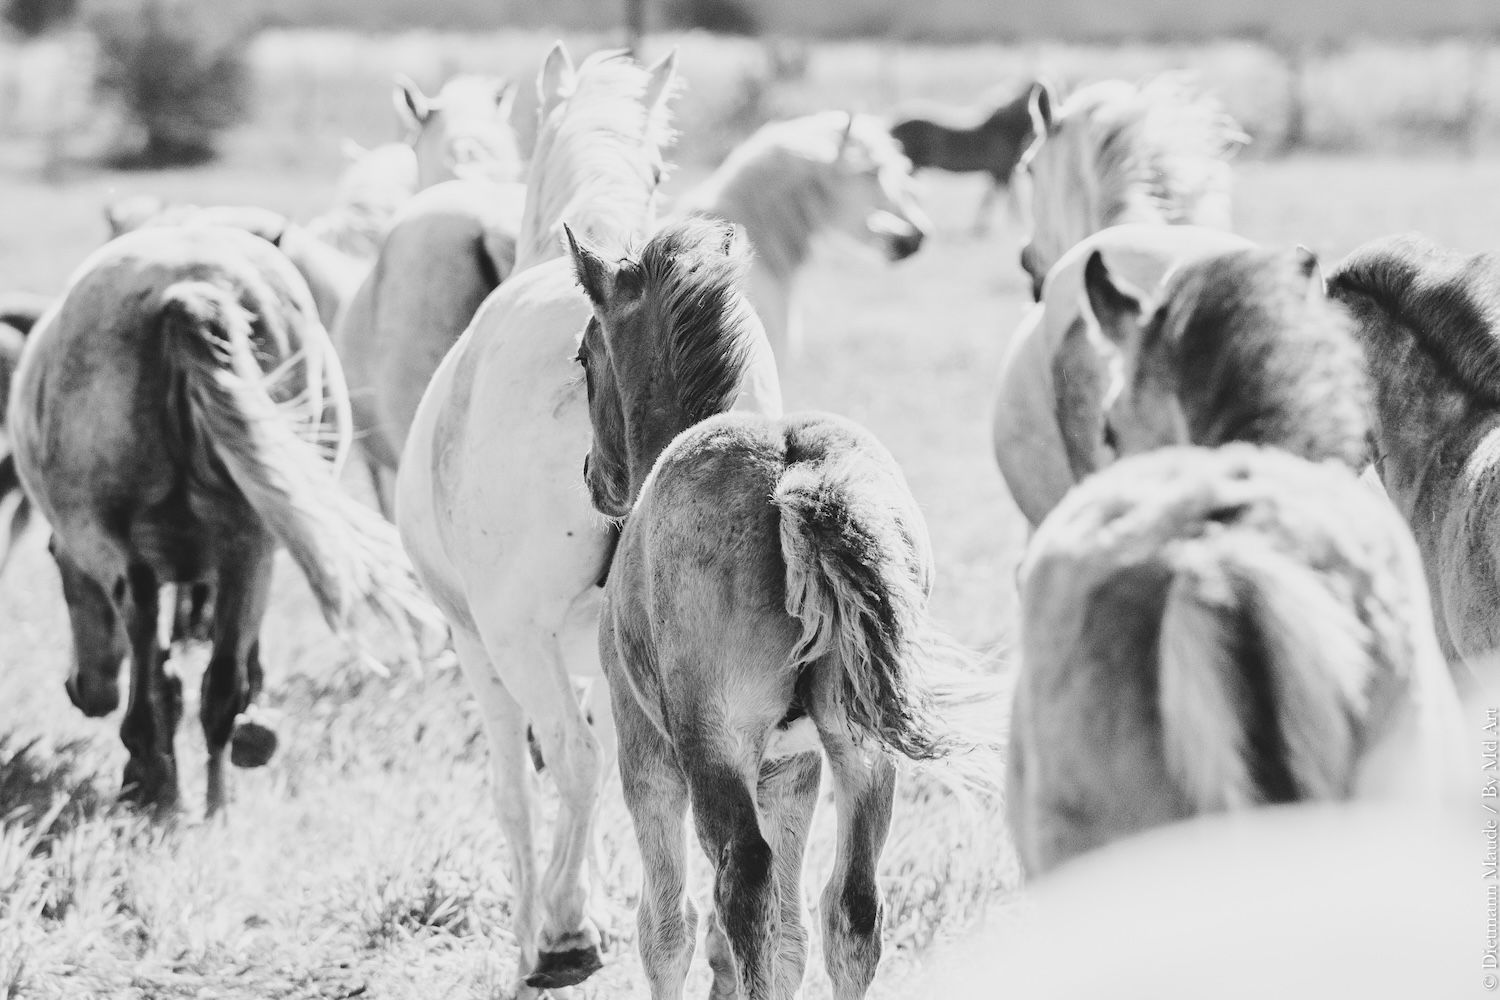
[
  {"x": 179, "y": 71},
  {"x": 36, "y": 17}
]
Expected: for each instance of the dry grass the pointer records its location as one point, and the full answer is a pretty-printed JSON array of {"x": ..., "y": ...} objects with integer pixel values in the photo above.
[{"x": 365, "y": 860}]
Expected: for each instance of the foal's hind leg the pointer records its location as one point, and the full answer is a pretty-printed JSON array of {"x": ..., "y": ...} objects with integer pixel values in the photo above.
[
  {"x": 864, "y": 788},
  {"x": 228, "y": 688},
  {"x": 150, "y": 723},
  {"x": 657, "y": 795}
]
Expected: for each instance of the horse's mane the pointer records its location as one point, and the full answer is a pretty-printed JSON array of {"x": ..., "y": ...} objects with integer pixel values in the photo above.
[
  {"x": 694, "y": 271},
  {"x": 1448, "y": 301},
  {"x": 1258, "y": 359},
  {"x": 1159, "y": 146},
  {"x": 593, "y": 165},
  {"x": 778, "y": 184}
]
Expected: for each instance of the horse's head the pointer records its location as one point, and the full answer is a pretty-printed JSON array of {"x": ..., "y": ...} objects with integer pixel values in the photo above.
[
  {"x": 667, "y": 346},
  {"x": 464, "y": 131},
  {"x": 99, "y": 641},
  {"x": 875, "y": 197},
  {"x": 1053, "y": 185}
]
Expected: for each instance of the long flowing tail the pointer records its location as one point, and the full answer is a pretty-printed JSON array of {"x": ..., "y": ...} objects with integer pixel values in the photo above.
[
  {"x": 1263, "y": 680},
  {"x": 850, "y": 582},
  {"x": 235, "y": 435}
]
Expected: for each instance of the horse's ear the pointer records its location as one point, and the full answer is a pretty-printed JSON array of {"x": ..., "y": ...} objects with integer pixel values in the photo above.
[
  {"x": 555, "y": 78},
  {"x": 412, "y": 106},
  {"x": 1307, "y": 263},
  {"x": 844, "y": 135},
  {"x": 1039, "y": 106},
  {"x": 1115, "y": 305},
  {"x": 126, "y": 214},
  {"x": 505, "y": 99},
  {"x": 659, "y": 81},
  {"x": 595, "y": 274},
  {"x": 352, "y": 150}
]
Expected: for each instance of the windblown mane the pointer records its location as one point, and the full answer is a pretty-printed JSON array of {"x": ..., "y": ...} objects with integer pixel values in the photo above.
[
  {"x": 693, "y": 273},
  {"x": 593, "y": 165},
  {"x": 1259, "y": 360},
  {"x": 1159, "y": 149},
  {"x": 778, "y": 183},
  {"x": 1449, "y": 303}
]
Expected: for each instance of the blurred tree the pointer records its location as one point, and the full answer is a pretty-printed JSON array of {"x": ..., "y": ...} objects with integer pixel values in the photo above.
[
  {"x": 179, "y": 70},
  {"x": 725, "y": 17},
  {"x": 36, "y": 17}
]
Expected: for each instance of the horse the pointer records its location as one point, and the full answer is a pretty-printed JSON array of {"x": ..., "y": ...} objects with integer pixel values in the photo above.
[
  {"x": 768, "y": 601},
  {"x": 795, "y": 179},
  {"x": 450, "y": 247},
  {"x": 489, "y": 506},
  {"x": 1210, "y": 630},
  {"x": 370, "y": 191},
  {"x": 987, "y": 140},
  {"x": 1427, "y": 319},
  {"x": 1116, "y": 153},
  {"x": 1238, "y": 346},
  {"x": 1049, "y": 410},
  {"x": 19, "y": 312},
  {"x": 331, "y": 274},
  {"x": 170, "y": 419},
  {"x": 463, "y": 131}
]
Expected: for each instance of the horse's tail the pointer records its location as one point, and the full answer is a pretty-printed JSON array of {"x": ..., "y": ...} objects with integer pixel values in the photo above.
[
  {"x": 1262, "y": 674},
  {"x": 851, "y": 582},
  {"x": 234, "y": 434}
]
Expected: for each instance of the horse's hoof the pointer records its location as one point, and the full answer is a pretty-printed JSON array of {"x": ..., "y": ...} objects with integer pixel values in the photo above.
[
  {"x": 252, "y": 743},
  {"x": 151, "y": 788},
  {"x": 556, "y": 969}
]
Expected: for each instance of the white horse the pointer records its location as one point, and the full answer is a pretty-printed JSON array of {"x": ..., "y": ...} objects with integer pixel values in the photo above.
[
  {"x": 1037, "y": 410},
  {"x": 794, "y": 180},
  {"x": 489, "y": 498},
  {"x": 372, "y": 188},
  {"x": 1117, "y": 153},
  {"x": 464, "y": 131}
]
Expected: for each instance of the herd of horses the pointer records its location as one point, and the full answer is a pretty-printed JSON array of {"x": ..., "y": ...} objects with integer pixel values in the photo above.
[{"x": 571, "y": 414}]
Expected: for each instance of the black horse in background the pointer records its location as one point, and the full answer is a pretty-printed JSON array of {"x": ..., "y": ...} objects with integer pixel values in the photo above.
[{"x": 988, "y": 139}]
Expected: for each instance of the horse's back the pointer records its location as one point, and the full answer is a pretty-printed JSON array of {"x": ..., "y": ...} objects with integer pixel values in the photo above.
[
  {"x": 451, "y": 245},
  {"x": 1029, "y": 425}
]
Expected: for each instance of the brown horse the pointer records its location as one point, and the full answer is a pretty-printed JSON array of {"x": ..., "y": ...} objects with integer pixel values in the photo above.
[
  {"x": 767, "y": 607},
  {"x": 170, "y": 419}
]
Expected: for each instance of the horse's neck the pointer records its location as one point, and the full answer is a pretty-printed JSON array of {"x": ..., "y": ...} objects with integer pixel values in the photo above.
[{"x": 780, "y": 220}]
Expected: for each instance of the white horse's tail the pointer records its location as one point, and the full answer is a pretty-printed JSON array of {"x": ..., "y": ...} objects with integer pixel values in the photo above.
[
  {"x": 235, "y": 435},
  {"x": 850, "y": 582},
  {"x": 1262, "y": 678}
]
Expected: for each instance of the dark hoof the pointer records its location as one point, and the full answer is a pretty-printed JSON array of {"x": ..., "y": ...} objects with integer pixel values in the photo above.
[
  {"x": 537, "y": 763},
  {"x": 556, "y": 969},
  {"x": 252, "y": 744},
  {"x": 96, "y": 698},
  {"x": 151, "y": 787}
]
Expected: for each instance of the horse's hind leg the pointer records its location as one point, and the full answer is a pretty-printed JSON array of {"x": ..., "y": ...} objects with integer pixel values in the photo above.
[
  {"x": 657, "y": 795},
  {"x": 513, "y": 788},
  {"x": 788, "y": 796},
  {"x": 240, "y": 598},
  {"x": 864, "y": 790},
  {"x": 150, "y": 724}
]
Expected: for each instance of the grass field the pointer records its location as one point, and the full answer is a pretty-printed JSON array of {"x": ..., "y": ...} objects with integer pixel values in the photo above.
[{"x": 365, "y": 860}]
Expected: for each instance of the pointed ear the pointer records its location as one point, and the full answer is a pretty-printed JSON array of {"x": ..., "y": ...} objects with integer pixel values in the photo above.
[
  {"x": 659, "y": 82},
  {"x": 412, "y": 106},
  {"x": 595, "y": 274},
  {"x": 124, "y": 215},
  {"x": 352, "y": 150},
  {"x": 554, "y": 80},
  {"x": 1307, "y": 264},
  {"x": 1039, "y": 107},
  {"x": 1115, "y": 305},
  {"x": 505, "y": 99},
  {"x": 844, "y": 136}
]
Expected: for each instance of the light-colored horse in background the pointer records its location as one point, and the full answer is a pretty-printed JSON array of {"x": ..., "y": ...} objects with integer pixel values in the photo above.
[
  {"x": 463, "y": 131},
  {"x": 490, "y": 507},
  {"x": 767, "y": 607},
  {"x": 1117, "y": 153},
  {"x": 794, "y": 180},
  {"x": 1049, "y": 410},
  {"x": 366, "y": 198},
  {"x": 19, "y": 312},
  {"x": 1429, "y": 322},
  {"x": 1211, "y": 630},
  {"x": 176, "y": 417}
]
